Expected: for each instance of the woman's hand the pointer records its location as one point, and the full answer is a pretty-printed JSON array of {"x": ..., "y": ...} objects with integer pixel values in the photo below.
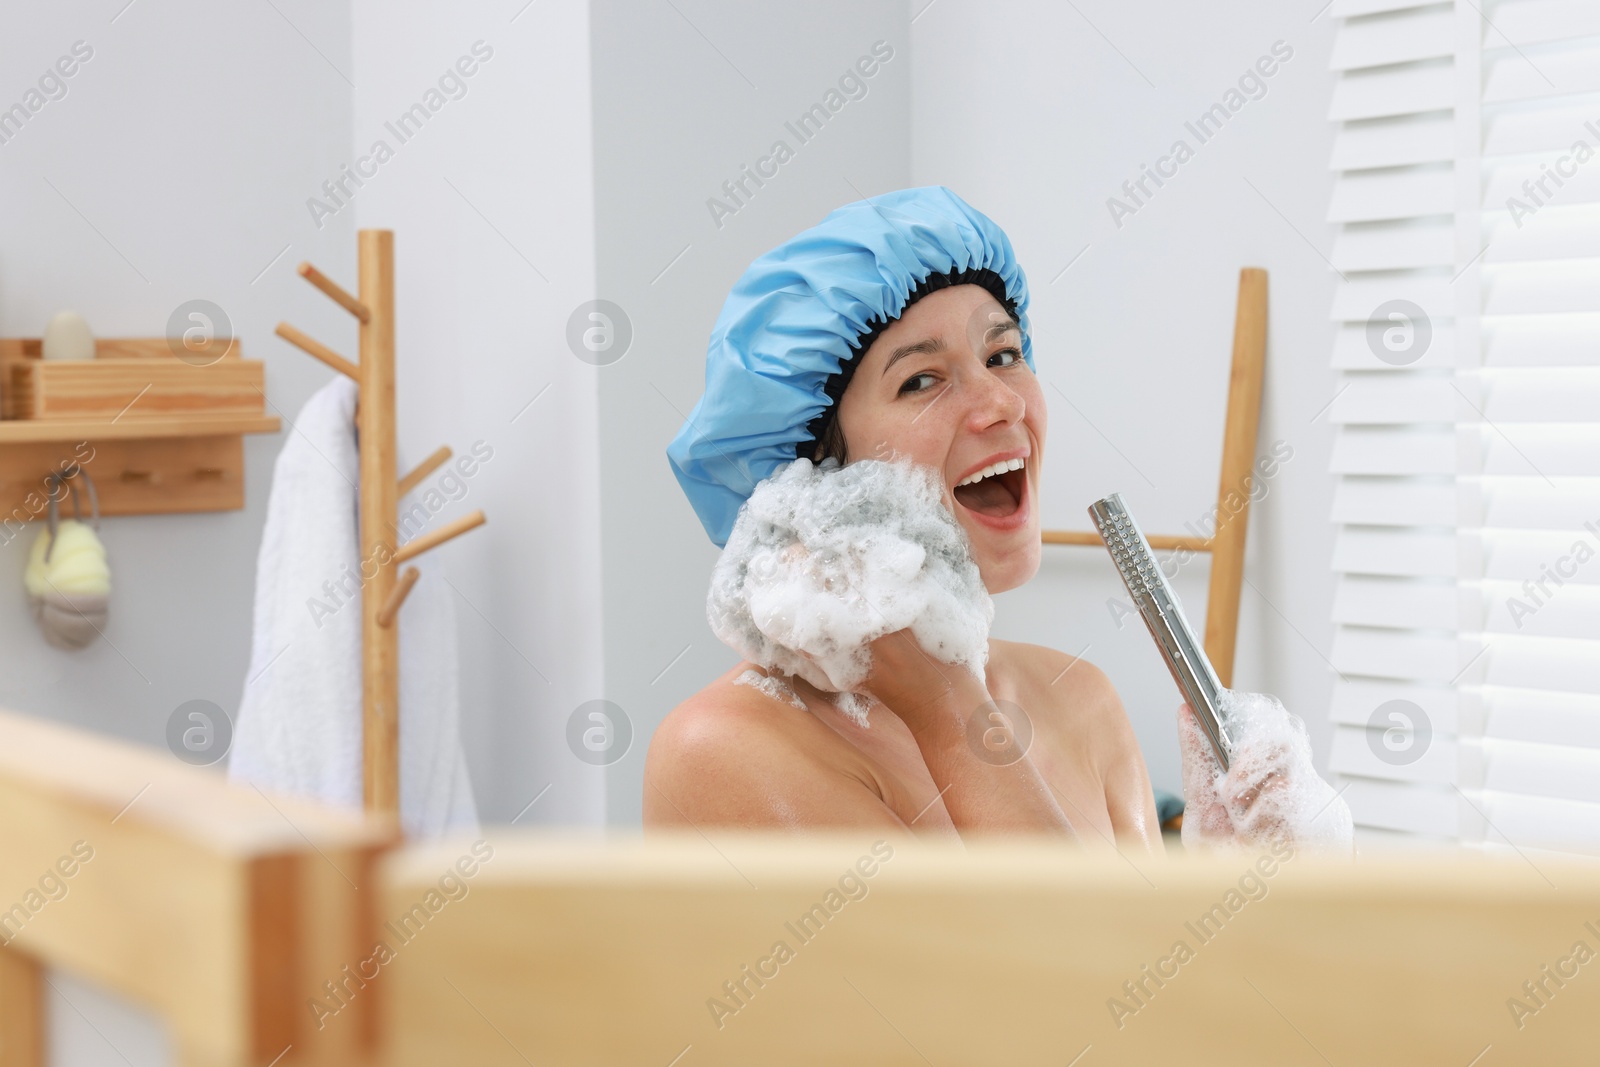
[
  {"x": 1270, "y": 791},
  {"x": 911, "y": 683},
  {"x": 982, "y": 771},
  {"x": 822, "y": 560}
]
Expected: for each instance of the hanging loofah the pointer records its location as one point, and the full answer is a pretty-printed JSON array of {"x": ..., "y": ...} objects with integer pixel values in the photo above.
[{"x": 68, "y": 578}]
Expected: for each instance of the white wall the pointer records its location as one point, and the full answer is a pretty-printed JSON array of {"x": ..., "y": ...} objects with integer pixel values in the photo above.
[
  {"x": 492, "y": 206},
  {"x": 184, "y": 153},
  {"x": 686, "y": 94},
  {"x": 1037, "y": 114},
  {"x": 181, "y": 153},
  {"x": 1029, "y": 113},
  {"x": 584, "y": 151},
  {"x": 191, "y": 141},
  {"x": 174, "y": 168},
  {"x": 1027, "y": 110}
]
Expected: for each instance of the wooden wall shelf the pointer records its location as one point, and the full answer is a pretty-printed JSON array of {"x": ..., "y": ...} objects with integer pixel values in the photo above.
[
  {"x": 141, "y": 464},
  {"x": 41, "y": 431}
]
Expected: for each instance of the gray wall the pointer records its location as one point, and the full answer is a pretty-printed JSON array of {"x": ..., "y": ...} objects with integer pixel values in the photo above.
[
  {"x": 1030, "y": 114},
  {"x": 681, "y": 102},
  {"x": 182, "y": 158},
  {"x": 176, "y": 167},
  {"x": 184, "y": 153},
  {"x": 1134, "y": 340},
  {"x": 492, "y": 207},
  {"x": 683, "y": 97}
]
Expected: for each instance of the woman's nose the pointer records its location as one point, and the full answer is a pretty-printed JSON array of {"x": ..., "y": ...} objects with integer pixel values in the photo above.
[{"x": 992, "y": 401}]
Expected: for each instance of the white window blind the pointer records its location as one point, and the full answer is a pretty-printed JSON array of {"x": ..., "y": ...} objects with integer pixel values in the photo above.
[{"x": 1467, "y": 453}]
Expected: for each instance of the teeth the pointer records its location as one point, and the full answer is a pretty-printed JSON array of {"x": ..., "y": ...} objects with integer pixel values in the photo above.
[{"x": 991, "y": 469}]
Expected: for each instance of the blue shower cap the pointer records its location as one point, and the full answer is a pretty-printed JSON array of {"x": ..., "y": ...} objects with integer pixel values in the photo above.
[{"x": 795, "y": 319}]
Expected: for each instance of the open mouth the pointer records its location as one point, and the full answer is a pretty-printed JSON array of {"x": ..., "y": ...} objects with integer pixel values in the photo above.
[{"x": 996, "y": 492}]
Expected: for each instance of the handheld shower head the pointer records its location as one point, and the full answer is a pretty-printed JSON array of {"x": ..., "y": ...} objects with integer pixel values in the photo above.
[{"x": 1163, "y": 615}]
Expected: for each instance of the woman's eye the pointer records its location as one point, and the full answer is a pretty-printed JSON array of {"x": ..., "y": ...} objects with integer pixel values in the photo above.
[
  {"x": 911, "y": 386},
  {"x": 1014, "y": 354}
]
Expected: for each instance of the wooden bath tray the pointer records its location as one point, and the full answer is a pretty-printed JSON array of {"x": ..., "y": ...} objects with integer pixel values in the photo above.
[{"x": 155, "y": 434}]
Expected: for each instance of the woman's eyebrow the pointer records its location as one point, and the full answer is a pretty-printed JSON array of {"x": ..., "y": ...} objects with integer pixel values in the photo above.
[
  {"x": 926, "y": 345},
  {"x": 1001, "y": 328}
]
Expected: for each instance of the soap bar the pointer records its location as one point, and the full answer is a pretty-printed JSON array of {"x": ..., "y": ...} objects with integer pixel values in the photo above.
[{"x": 68, "y": 337}]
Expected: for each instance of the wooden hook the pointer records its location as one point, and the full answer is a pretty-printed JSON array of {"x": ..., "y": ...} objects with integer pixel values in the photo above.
[
  {"x": 340, "y": 297},
  {"x": 318, "y": 349},
  {"x": 397, "y": 596},
  {"x": 415, "y": 547},
  {"x": 423, "y": 469},
  {"x": 1158, "y": 542}
]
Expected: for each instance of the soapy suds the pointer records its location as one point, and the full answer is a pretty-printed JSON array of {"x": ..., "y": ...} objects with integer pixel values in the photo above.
[
  {"x": 854, "y": 706},
  {"x": 1270, "y": 792},
  {"x": 825, "y": 559},
  {"x": 774, "y": 687}
]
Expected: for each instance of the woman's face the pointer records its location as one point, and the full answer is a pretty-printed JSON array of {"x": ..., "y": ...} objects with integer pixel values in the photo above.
[{"x": 945, "y": 384}]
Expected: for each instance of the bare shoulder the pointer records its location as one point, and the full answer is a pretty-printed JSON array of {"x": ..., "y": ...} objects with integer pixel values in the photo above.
[
  {"x": 1077, "y": 711},
  {"x": 722, "y": 733},
  {"x": 732, "y": 755},
  {"x": 1040, "y": 669},
  {"x": 1069, "y": 692}
]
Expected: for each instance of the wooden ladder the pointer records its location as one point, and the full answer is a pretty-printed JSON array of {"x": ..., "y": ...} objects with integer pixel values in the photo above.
[{"x": 1238, "y": 458}]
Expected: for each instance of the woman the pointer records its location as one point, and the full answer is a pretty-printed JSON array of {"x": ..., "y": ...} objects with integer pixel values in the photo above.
[{"x": 897, "y": 325}]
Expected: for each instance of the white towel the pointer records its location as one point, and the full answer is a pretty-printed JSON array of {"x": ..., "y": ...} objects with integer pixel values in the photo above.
[{"x": 299, "y": 722}]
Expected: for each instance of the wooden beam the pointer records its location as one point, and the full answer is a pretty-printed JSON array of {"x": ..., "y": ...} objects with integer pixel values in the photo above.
[
  {"x": 423, "y": 469},
  {"x": 340, "y": 297},
  {"x": 1158, "y": 542},
  {"x": 980, "y": 952},
  {"x": 218, "y": 908},
  {"x": 116, "y": 390},
  {"x": 1238, "y": 472},
  {"x": 22, "y": 1022},
  {"x": 397, "y": 597},
  {"x": 418, "y": 545},
  {"x": 319, "y": 350},
  {"x": 71, "y": 431},
  {"x": 132, "y": 476},
  {"x": 380, "y": 647}
]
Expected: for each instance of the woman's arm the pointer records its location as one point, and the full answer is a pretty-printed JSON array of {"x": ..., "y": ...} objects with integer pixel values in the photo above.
[
  {"x": 1086, "y": 723},
  {"x": 988, "y": 784},
  {"x": 1130, "y": 800}
]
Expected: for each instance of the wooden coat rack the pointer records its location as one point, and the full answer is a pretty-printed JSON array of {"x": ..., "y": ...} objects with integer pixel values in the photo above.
[
  {"x": 1240, "y": 431},
  {"x": 380, "y": 496}
]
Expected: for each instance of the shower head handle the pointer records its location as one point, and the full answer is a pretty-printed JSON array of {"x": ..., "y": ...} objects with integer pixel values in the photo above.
[{"x": 1163, "y": 615}]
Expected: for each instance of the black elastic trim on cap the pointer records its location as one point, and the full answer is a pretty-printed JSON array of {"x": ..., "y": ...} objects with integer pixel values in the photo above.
[{"x": 839, "y": 381}]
